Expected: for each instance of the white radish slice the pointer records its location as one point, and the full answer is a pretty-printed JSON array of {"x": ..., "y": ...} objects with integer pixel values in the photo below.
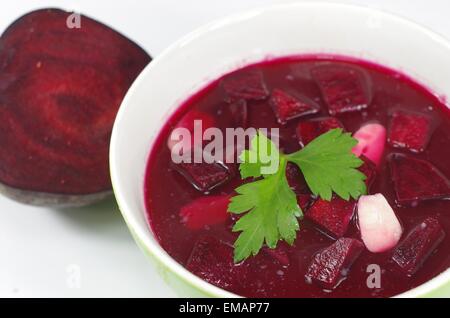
[
  {"x": 379, "y": 226},
  {"x": 371, "y": 142}
]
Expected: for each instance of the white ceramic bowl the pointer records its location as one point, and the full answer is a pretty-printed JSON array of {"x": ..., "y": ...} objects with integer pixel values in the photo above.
[{"x": 221, "y": 46}]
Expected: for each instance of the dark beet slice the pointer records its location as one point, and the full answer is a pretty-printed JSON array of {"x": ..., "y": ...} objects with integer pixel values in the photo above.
[
  {"x": 212, "y": 261},
  {"x": 205, "y": 211},
  {"x": 344, "y": 89},
  {"x": 239, "y": 112},
  {"x": 308, "y": 130},
  {"x": 369, "y": 169},
  {"x": 416, "y": 180},
  {"x": 245, "y": 84},
  {"x": 330, "y": 266},
  {"x": 204, "y": 176},
  {"x": 289, "y": 105},
  {"x": 410, "y": 130},
  {"x": 332, "y": 216},
  {"x": 418, "y": 245},
  {"x": 61, "y": 89}
]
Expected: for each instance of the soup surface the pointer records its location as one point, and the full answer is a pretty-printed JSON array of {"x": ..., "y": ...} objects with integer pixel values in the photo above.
[{"x": 187, "y": 207}]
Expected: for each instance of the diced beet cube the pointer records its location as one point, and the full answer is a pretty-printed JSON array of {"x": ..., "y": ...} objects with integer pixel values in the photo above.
[
  {"x": 418, "y": 245},
  {"x": 205, "y": 211},
  {"x": 369, "y": 169},
  {"x": 295, "y": 178},
  {"x": 332, "y": 216},
  {"x": 330, "y": 266},
  {"x": 371, "y": 142},
  {"x": 212, "y": 261},
  {"x": 410, "y": 130},
  {"x": 307, "y": 131},
  {"x": 304, "y": 201},
  {"x": 204, "y": 176},
  {"x": 190, "y": 121},
  {"x": 416, "y": 180},
  {"x": 239, "y": 112},
  {"x": 290, "y": 105},
  {"x": 344, "y": 88},
  {"x": 245, "y": 84},
  {"x": 279, "y": 254}
]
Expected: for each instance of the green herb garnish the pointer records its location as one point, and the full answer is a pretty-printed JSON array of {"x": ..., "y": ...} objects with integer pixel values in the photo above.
[{"x": 271, "y": 208}]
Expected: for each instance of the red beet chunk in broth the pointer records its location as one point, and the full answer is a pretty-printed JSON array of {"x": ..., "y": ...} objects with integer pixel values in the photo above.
[
  {"x": 369, "y": 169},
  {"x": 416, "y": 180},
  {"x": 239, "y": 112},
  {"x": 308, "y": 130},
  {"x": 344, "y": 89},
  {"x": 205, "y": 211},
  {"x": 295, "y": 179},
  {"x": 212, "y": 261},
  {"x": 418, "y": 245},
  {"x": 332, "y": 216},
  {"x": 289, "y": 105},
  {"x": 330, "y": 266},
  {"x": 410, "y": 130},
  {"x": 190, "y": 121},
  {"x": 245, "y": 84},
  {"x": 204, "y": 176},
  {"x": 304, "y": 201},
  {"x": 279, "y": 254}
]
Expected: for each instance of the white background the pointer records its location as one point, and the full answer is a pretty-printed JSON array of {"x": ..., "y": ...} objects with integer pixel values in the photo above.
[{"x": 42, "y": 250}]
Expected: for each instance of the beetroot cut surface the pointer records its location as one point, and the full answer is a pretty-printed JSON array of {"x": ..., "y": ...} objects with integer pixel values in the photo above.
[
  {"x": 212, "y": 260},
  {"x": 330, "y": 266},
  {"x": 414, "y": 250},
  {"x": 332, "y": 216},
  {"x": 60, "y": 90},
  {"x": 416, "y": 180}
]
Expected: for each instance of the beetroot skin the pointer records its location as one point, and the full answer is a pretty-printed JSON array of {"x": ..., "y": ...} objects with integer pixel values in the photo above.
[{"x": 60, "y": 90}]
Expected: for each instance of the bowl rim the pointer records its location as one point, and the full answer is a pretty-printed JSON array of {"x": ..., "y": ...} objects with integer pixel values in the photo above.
[{"x": 138, "y": 230}]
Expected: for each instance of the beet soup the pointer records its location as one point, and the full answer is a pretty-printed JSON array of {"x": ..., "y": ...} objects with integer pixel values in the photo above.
[{"x": 403, "y": 134}]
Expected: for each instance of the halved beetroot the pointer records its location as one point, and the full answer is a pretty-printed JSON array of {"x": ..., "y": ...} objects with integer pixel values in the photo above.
[
  {"x": 204, "y": 176},
  {"x": 416, "y": 180},
  {"x": 212, "y": 261},
  {"x": 205, "y": 211},
  {"x": 290, "y": 105},
  {"x": 330, "y": 266},
  {"x": 344, "y": 89},
  {"x": 308, "y": 130},
  {"x": 332, "y": 216},
  {"x": 60, "y": 90},
  {"x": 410, "y": 130},
  {"x": 418, "y": 245},
  {"x": 245, "y": 84}
]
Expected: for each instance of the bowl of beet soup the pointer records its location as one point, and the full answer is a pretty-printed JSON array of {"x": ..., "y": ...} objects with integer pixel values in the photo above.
[{"x": 304, "y": 69}]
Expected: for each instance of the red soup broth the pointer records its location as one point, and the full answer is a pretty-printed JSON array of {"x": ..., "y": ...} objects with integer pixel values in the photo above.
[{"x": 281, "y": 273}]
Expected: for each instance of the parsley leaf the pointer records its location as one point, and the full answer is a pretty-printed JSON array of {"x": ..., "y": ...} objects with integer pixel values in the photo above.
[
  {"x": 328, "y": 166},
  {"x": 271, "y": 208},
  {"x": 273, "y": 212}
]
